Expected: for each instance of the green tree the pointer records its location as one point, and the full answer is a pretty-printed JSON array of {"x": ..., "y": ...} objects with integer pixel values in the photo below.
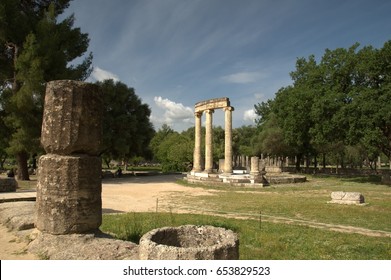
[
  {"x": 159, "y": 137},
  {"x": 35, "y": 48},
  {"x": 172, "y": 149},
  {"x": 242, "y": 140},
  {"x": 371, "y": 104},
  {"x": 127, "y": 130}
]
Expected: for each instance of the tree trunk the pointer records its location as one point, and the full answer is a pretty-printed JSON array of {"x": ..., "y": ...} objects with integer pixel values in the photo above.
[
  {"x": 298, "y": 160},
  {"x": 23, "y": 172},
  {"x": 324, "y": 160}
]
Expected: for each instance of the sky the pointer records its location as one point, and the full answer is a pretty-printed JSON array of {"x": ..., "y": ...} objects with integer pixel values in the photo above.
[{"x": 175, "y": 53}]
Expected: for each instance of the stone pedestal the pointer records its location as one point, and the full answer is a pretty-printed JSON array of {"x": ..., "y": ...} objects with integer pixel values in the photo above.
[{"x": 69, "y": 194}]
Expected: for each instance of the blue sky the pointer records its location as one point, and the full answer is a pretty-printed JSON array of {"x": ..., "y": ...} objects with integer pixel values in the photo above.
[{"x": 175, "y": 53}]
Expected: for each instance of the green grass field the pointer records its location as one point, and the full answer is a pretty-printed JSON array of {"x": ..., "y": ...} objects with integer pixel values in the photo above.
[{"x": 260, "y": 238}]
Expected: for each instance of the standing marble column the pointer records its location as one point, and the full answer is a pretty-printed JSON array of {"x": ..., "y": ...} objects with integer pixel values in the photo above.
[
  {"x": 209, "y": 141},
  {"x": 197, "y": 143},
  {"x": 228, "y": 140}
]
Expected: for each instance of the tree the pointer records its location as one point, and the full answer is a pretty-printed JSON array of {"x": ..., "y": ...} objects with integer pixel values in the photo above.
[
  {"x": 372, "y": 103},
  {"x": 159, "y": 137},
  {"x": 336, "y": 106},
  {"x": 34, "y": 49},
  {"x": 172, "y": 149},
  {"x": 127, "y": 130}
]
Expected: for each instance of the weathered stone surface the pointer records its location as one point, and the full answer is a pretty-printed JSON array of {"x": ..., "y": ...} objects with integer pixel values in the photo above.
[
  {"x": 347, "y": 198},
  {"x": 72, "y": 117},
  {"x": 17, "y": 215},
  {"x": 94, "y": 246},
  {"x": 215, "y": 103},
  {"x": 8, "y": 185},
  {"x": 189, "y": 243},
  {"x": 69, "y": 194}
]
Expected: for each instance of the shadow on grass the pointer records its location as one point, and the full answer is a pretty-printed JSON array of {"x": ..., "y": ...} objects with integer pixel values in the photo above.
[{"x": 369, "y": 179}]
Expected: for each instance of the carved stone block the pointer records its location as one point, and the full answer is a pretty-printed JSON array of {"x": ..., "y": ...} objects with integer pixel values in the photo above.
[
  {"x": 69, "y": 194},
  {"x": 72, "y": 118}
]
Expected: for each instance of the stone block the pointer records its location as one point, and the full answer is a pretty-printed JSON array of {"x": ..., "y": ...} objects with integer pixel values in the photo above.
[
  {"x": 72, "y": 118},
  {"x": 8, "y": 185},
  {"x": 347, "y": 198},
  {"x": 69, "y": 194}
]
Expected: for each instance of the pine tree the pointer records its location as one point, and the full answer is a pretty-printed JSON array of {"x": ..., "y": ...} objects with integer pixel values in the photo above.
[{"x": 34, "y": 48}]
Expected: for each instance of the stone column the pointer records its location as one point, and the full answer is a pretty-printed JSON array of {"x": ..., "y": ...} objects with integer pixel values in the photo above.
[
  {"x": 69, "y": 175},
  {"x": 209, "y": 141},
  {"x": 197, "y": 143},
  {"x": 228, "y": 140},
  {"x": 254, "y": 166}
]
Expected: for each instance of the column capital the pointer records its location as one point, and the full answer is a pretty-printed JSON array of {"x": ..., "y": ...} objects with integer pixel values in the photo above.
[
  {"x": 229, "y": 108},
  {"x": 209, "y": 111},
  {"x": 198, "y": 114}
]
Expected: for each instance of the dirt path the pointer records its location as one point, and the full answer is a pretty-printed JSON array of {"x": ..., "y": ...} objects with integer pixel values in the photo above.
[{"x": 13, "y": 247}]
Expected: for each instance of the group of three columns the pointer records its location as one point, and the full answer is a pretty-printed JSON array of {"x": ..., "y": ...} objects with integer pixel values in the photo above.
[{"x": 197, "y": 164}]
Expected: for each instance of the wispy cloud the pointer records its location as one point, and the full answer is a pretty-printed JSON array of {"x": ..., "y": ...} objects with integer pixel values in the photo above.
[
  {"x": 99, "y": 74},
  {"x": 243, "y": 77}
]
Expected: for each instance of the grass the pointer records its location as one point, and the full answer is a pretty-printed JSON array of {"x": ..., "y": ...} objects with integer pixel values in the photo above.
[
  {"x": 306, "y": 201},
  {"x": 271, "y": 241}
]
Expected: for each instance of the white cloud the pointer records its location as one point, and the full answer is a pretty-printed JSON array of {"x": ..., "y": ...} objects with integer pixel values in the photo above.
[
  {"x": 243, "y": 77},
  {"x": 100, "y": 75},
  {"x": 250, "y": 115},
  {"x": 173, "y": 112}
]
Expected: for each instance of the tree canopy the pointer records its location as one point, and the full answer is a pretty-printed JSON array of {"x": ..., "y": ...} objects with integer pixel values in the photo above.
[
  {"x": 335, "y": 104},
  {"x": 34, "y": 48},
  {"x": 127, "y": 130}
]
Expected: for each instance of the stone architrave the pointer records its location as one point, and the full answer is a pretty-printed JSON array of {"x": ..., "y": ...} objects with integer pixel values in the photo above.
[
  {"x": 209, "y": 141},
  {"x": 69, "y": 176},
  {"x": 72, "y": 118}
]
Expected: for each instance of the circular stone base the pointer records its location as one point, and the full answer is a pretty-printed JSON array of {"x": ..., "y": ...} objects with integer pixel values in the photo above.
[{"x": 189, "y": 243}]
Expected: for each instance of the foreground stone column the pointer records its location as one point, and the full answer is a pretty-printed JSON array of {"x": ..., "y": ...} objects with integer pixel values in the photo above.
[
  {"x": 69, "y": 176},
  {"x": 209, "y": 141},
  {"x": 197, "y": 166},
  {"x": 228, "y": 140}
]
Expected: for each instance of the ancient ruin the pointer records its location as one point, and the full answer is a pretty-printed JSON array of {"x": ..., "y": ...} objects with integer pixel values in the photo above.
[
  {"x": 204, "y": 172},
  {"x": 208, "y": 107},
  {"x": 347, "y": 198},
  {"x": 69, "y": 175},
  {"x": 189, "y": 243}
]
